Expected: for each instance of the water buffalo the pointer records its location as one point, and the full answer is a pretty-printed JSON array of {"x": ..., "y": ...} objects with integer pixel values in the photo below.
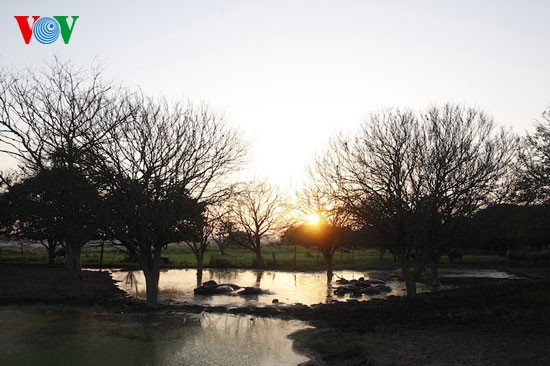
[
  {"x": 516, "y": 256},
  {"x": 544, "y": 256},
  {"x": 61, "y": 252},
  {"x": 251, "y": 291},
  {"x": 455, "y": 255}
]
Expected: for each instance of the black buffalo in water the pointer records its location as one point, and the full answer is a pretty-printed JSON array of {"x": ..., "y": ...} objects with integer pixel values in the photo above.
[{"x": 213, "y": 288}]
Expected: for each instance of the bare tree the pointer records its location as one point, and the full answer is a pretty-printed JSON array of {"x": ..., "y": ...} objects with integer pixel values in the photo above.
[
  {"x": 212, "y": 218},
  {"x": 57, "y": 117},
  {"x": 257, "y": 212},
  {"x": 161, "y": 169},
  {"x": 221, "y": 233},
  {"x": 334, "y": 222},
  {"x": 464, "y": 161},
  {"x": 412, "y": 178},
  {"x": 534, "y": 172}
]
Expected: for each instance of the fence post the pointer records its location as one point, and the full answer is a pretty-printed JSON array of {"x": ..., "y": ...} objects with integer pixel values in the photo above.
[{"x": 101, "y": 256}]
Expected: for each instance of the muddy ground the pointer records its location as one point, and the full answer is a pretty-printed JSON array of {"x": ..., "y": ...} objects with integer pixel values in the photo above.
[
  {"x": 24, "y": 284},
  {"x": 497, "y": 322},
  {"x": 507, "y": 323}
]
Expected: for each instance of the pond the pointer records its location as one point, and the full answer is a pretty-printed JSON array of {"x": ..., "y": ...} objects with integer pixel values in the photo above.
[
  {"x": 45, "y": 337},
  {"x": 287, "y": 287}
]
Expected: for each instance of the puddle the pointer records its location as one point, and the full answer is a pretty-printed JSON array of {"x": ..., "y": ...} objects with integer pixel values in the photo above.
[
  {"x": 30, "y": 337},
  {"x": 288, "y": 287}
]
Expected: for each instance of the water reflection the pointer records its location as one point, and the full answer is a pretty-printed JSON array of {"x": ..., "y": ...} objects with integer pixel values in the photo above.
[
  {"x": 130, "y": 281},
  {"x": 287, "y": 287},
  {"x": 199, "y": 278},
  {"x": 259, "y": 276},
  {"x": 330, "y": 292},
  {"x": 74, "y": 338}
]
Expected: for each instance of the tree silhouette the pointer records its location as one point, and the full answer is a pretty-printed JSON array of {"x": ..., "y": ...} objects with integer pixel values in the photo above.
[
  {"x": 211, "y": 218},
  {"x": 58, "y": 117},
  {"x": 534, "y": 173},
  {"x": 35, "y": 210},
  {"x": 413, "y": 178},
  {"x": 160, "y": 170},
  {"x": 256, "y": 212},
  {"x": 332, "y": 231}
]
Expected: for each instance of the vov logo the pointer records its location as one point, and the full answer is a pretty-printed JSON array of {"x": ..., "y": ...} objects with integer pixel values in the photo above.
[{"x": 46, "y": 30}]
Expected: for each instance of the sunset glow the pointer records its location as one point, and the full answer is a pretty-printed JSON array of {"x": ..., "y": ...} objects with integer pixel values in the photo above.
[{"x": 312, "y": 219}]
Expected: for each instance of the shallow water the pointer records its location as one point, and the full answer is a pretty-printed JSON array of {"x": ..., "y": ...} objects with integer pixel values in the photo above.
[
  {"x": 288, "y": 287},
  {"x": 479, "y": 273},
  {"x": 32, "y": 337}
]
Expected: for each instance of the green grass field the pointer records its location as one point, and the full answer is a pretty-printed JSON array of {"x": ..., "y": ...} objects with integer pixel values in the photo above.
[{"x": 276, "y": 256}]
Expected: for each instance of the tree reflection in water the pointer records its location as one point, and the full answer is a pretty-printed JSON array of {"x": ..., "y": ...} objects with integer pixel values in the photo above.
[
  {"x": 131, "y": 282},
  {"x": 31, "y": 337}
]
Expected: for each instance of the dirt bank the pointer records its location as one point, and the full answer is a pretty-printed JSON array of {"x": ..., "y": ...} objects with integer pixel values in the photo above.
[
  {"x": 507, "y": 323},
  {"x": 21, "y": 284}
]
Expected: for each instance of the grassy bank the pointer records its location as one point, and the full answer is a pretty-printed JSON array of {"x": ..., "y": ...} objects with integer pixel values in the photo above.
[{"x": 276, "y": 256}]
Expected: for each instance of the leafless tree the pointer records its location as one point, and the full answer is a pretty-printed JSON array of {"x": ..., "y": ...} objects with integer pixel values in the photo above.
[
  {"x": 413, "y": 177},
  {"x": 161, "y": 170},
  {"x": 534, "y": 171},
  {"x": 329, "y": 233},
  {"x": 257, "y": 212},
  {"x": 57, "y": 117},
  {"x": 212, "y": 220},
  {"x": 464, "y": 161},
  {"x": 222, "y": 233}
]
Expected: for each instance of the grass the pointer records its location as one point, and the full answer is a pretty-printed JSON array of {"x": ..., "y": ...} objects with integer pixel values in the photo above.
[{"x": 276, "y": 256}]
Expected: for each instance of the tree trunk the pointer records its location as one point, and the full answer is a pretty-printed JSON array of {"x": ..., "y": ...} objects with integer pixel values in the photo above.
[
  {"x": 221, "y": 248},
  {"x": 151, "y": 271},
  {"x": 381, "y": 257},
  {"x": 410, "y": 283},
  {"x": 259, "y": 275},
  {"x": 152, "y": 284},
  {"x": 72, "y": 259},
  {"x": 101, "y": 256},
  {"x": 51, "y": 253},
  {"x": 408, "y": 276},
  {"x": 200, "y": 264},
  {"x": 328, "y": 264},
  {"x": 259, "y": 259},
  {"x": 434, "y": 271}
]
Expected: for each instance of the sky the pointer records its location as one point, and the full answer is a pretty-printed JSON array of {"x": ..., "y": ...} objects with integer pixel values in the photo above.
[{"x": 290, "y": 74}]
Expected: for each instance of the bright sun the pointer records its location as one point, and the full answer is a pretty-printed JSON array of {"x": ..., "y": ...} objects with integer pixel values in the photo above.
[{"x": 312, "y": 219}]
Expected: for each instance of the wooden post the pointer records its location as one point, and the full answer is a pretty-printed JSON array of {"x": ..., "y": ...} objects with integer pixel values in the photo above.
[
  {"x": 101, "y": 256},
  {"x": 318, "y": 251}
]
